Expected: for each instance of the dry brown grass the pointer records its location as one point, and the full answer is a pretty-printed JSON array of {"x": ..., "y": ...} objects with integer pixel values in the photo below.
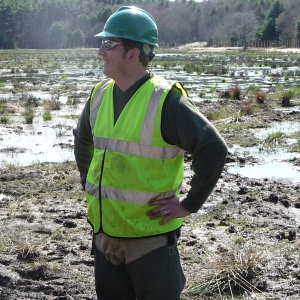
[
  {"x": 27, "y": 251},
  {"x": 228, "y": 273}
]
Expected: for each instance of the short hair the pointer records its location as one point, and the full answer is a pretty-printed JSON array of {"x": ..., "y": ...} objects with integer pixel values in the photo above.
[{"x": 143, "y": 57}]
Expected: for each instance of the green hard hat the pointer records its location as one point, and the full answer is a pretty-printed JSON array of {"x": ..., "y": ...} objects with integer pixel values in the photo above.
[{"x": 132, "y": 23}]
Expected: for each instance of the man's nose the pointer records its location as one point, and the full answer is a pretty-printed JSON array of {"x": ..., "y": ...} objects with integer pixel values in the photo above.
[{"x": 101, "y": 51}]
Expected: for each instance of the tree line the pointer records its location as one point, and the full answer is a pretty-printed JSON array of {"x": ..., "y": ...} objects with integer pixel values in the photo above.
[{"x": 73, "y": 23}]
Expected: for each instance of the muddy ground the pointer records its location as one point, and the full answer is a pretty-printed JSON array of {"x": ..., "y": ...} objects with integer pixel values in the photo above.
[{"x": 243, "y": 244}]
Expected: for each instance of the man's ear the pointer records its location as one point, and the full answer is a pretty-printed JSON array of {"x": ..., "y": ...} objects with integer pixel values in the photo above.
[{"x": 133, "y": 55}]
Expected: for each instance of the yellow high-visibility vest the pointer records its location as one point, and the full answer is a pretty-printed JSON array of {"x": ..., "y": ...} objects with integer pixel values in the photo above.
[{"x": 132, "y": 164}]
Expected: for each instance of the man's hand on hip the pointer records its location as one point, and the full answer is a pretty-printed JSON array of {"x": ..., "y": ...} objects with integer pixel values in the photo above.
[{"x": 170, "y": 208}]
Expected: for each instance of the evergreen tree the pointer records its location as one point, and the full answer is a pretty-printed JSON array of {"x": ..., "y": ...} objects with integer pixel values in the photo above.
[
  {"x": 275, "y": 10},
  {"x": 8, "y": 29},
  {"x": 268, "y": 30},
  {"x": 298, "y": 30}
]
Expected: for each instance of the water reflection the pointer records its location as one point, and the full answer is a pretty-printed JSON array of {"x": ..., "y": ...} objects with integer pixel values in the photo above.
[{"x": 269, "y": 170}]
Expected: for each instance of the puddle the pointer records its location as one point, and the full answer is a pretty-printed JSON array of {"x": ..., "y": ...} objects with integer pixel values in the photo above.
[
  {"x": 51, "y": 141},
  {"x": 269, "y": 170},
  {"x": 269, "y": 159},
  {"x": 286, "y": 128},
  {"x": 264, "y": 154},
  {"x": 34, "y": 145}
]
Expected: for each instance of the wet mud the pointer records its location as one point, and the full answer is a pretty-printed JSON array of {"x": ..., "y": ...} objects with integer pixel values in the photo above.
[{"x": 248, "y": 226}]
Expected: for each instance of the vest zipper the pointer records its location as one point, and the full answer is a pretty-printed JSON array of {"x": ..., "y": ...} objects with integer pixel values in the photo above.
[{"x": 100, "y": 198}]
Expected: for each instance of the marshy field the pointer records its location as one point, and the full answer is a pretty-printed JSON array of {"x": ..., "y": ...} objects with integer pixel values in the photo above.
[{"x": 243, "y": 243}]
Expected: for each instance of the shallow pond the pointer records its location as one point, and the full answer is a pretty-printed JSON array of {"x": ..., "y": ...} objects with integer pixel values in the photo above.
[{"x": 52, "y": 141}]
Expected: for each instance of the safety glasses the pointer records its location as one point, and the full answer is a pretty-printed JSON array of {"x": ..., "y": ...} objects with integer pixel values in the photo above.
[{"x": 108, "y": 44}]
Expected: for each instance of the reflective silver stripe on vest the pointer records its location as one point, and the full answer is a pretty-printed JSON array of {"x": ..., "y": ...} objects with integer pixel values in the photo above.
[
  {"x": 92, "y": 189},
  {"x": 149, "y": 122},
  {"x": 127, "y": 196},
  {"x": 137, "y": 149},
  {"x": 97, "y": 102}
]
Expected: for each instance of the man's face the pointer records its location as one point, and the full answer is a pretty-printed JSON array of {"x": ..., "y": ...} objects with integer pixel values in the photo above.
[{"x": 112, "y": 52}]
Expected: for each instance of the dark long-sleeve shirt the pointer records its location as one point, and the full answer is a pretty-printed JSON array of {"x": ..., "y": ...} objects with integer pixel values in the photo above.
[{"x": 182, "y": 125}]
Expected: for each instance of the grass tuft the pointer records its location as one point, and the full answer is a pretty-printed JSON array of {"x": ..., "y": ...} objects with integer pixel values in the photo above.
[
  {"x": 27, "y": 251},
  {"x": 229, "y": 272},
  {"x": 274, "y": 138},
  {"x": 47, "y": 116}
]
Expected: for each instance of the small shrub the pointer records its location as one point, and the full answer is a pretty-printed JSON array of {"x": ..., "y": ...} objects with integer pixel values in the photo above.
[
  {"x": 53, "y": 104},
  {"x": 260, "y": 97},
  {"x": 286, "y": 98},
  {"x": 247, "y": 108},
  {"x": 30, "y": 100},
  {"x": 28, "y": 115},
  {"x": 47, "y": 116},
  {"x": 225, "y": 94},
  {"x": 236, "y": 93},
  {"x": 193, "y": 67},
  {"x": 4, "y": 119},
  {"x": 3, "y": 104}
]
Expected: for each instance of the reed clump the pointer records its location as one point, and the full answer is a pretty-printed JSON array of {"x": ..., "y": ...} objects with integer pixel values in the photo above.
[
  {"x": 229, "y": 272},
  {"x": 286, "y": 98}
]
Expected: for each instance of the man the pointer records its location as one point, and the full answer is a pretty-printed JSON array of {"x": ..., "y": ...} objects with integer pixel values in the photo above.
[{"x": 129, "y": 147}]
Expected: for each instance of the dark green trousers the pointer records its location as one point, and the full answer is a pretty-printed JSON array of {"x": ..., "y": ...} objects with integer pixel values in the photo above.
[{"x": 157, "y": 275}]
